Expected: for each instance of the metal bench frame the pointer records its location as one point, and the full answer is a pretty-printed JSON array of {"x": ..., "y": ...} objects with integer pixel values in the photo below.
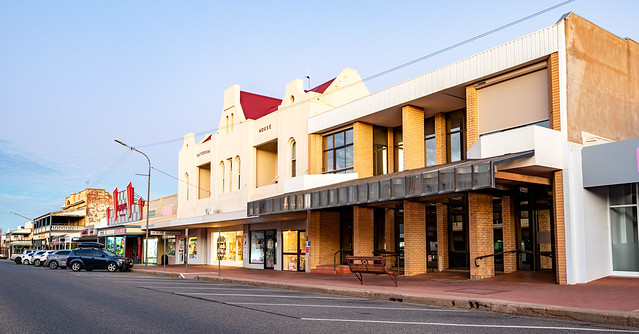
[{"x": 369, "y": 265}]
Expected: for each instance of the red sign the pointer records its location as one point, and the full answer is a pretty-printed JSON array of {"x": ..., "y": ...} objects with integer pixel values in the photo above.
[{"x": 130, "y": 197}]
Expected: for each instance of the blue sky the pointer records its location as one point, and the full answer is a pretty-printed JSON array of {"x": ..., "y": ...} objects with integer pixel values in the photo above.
[{"x": 75, "y": 75}]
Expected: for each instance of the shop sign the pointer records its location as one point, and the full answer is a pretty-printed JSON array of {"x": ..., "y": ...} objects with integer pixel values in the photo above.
[
  {"x": 123, "y": 207},
  {"x": 203, "y": 153},
  {"x": 264, "y": 128},
  {"x": 156, "y": 233}
]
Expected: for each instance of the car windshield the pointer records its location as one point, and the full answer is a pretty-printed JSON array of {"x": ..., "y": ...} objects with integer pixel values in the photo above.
[{"x": 108, "y": 253}]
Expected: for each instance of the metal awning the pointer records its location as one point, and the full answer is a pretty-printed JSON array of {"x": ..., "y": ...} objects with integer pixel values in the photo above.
[{"x": 466, "y": 175}]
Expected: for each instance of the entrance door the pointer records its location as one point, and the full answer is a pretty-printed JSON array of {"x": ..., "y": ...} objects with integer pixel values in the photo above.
[
  {"x": 535, "y": 229},
  {"x": 431, "y": 236},
  {"x": 270, "y": 249},
  {"x": 293, "y": 250}
]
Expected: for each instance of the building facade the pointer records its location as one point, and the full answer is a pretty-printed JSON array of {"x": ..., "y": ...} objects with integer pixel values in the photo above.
[{"x": 476, "y": 166}]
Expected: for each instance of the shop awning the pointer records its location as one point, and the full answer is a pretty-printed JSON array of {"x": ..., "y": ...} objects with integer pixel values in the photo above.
[
  {"x": 610, "y": 164},
  {"x": 461, "y": 176}
]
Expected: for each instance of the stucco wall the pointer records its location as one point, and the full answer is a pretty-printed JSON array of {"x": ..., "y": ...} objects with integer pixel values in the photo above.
[{"x": 602, "y": 82}]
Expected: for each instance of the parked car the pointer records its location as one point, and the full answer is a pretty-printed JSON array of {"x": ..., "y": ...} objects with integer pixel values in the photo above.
[
  {"x": 97, "y": 258},
  {"x": 36, "y": 257},
  {"x": 28, "y": 258},
  {"x": 57, "y": 259},
  {"x": 39, "y": 260},
  {"x": 17, "y": 258}
]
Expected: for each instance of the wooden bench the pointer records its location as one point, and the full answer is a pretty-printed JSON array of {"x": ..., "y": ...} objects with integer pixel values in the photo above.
[{"x": 369, "y": 265}]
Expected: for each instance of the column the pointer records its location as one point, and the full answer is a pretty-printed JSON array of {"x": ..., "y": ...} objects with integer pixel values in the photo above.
[
  {"x": 440, "y": 139},
  {"x": 314, "y": 154},
  {"x": 415, "y": 253},
  {"x": 472, "y": 117},
  {"x": 413, "y": 133},
  {"x": 389, "y": 233},
  {"x": 509, "y": 233},
  {"x": 442, "y": 236},
  {"x": 363, "y": 149},
  {"x": 363, "y": 231},
  {"x": 480, "y": 235},
  {"x": 323, "y": 232},
  {"x": 560, "y": 228}
]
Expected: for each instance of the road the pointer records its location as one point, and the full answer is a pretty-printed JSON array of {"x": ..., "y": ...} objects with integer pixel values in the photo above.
[{"x": 41, "y": 300}]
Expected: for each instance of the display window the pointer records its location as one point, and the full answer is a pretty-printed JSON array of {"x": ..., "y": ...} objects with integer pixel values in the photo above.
[
  {"x": 228, "y": 246},
  {"x": 152, "y": 253},
  {"x": 115, "y": 245},
  {"x": 257, "y": 247},
  {"x": 293, "y": 250},
  {"x": 192, "y": 248}
]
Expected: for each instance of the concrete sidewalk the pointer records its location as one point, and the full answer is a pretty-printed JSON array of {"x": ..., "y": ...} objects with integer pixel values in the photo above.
[{"x": 610, "y": 300}]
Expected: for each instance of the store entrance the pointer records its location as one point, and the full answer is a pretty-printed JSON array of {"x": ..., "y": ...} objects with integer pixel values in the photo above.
[
  {"x": 270, "y": 249},
  {"x": 535, "y": 228},
  {"x": 293, "y": 250}
]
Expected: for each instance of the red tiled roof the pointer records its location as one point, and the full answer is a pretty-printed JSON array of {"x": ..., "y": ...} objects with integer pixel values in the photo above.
[
  {"x": 256, "y": 106},
  {"x": 321, "y": 88}
]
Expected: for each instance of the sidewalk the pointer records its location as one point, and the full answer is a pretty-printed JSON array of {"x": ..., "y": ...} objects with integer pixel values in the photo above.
[{"x": 610, "y": 300}]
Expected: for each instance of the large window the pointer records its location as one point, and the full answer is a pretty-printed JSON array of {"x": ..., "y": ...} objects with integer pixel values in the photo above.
[
  {"x": 398, "y": 146},
  {"x": 380, "y": 150},
  {"x": 456, "y": 135},
  {"x": 623, "y": 227},
  {"x": 338, "y": 152},
  {"x": 429, "y": 141},
  {"x": 204, "y": 180}
]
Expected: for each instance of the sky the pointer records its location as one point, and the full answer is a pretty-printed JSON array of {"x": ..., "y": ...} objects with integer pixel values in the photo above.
[{"x": 76, "y": 75}]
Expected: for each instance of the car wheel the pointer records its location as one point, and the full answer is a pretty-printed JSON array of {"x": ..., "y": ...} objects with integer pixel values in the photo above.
[
  {"x": 76, "y": 266},
  {"x": 36, "y": 263},
  {"x": 25, "y": 262},
  {"x": 18, "y": 260},
  {"x": 112, "y": 266},
  {"x": 53, "y": 264}
]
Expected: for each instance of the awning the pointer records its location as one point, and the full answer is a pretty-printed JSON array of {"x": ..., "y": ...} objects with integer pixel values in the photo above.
[
  {"x": 610, "y": 164},
  {"x": 466, "y": 175}
]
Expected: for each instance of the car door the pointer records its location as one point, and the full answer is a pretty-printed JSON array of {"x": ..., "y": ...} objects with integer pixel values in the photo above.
[{"x": 99, "y": 259}]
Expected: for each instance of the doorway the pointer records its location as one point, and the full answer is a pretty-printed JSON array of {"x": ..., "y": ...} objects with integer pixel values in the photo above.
[
  {"x": 535, "y": 228},
  {"x": 270, "y": 249},
  {"x": 293, "y": 250}
]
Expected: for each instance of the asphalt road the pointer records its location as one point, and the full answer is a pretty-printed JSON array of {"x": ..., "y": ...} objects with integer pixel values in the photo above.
[{"x": 41, "y": 300}]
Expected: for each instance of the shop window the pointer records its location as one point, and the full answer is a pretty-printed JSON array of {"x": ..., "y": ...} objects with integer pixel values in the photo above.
[
  {"x": 204, "y": 181},
  {"x": 456, "y": 135},
  {"x": 380, "y": 150},
  {"x": 337, "y": 152},
  {"x": 398, "y": 147},
  {"x": 229, "y": 247},
  {"x": 623, "y": 228},
  {"x": 429, "y": 141}
]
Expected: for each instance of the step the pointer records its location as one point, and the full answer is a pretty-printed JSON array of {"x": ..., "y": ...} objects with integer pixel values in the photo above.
[{"x": 328, "y": 269}]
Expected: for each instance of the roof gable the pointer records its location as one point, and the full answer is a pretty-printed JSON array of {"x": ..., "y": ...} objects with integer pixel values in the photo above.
[
  {"x": 256, "y": 106},
  {"x": 321, "y": 88}
]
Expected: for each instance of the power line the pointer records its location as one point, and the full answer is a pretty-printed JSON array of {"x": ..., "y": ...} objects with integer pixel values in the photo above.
[
  {"x": 178, "y": 179},
  {"x": 112, "y": 168},
  {"x": 414, "y": 61}
]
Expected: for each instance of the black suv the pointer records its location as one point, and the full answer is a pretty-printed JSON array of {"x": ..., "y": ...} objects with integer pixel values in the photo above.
[{"x": 97, "y": 258}]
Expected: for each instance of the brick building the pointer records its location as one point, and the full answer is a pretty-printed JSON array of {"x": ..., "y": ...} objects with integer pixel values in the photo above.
[{"x": 475, "y": 166}]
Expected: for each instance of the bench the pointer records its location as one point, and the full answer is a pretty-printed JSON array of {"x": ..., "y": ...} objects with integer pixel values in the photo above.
[{"x": 369, "y": 265}]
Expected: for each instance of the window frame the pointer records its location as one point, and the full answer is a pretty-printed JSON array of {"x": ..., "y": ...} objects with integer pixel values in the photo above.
[{"x": 332, "y": 150}]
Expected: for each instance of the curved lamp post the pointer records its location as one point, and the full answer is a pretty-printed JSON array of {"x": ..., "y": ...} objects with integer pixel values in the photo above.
[{"x": 148, "y": 198}]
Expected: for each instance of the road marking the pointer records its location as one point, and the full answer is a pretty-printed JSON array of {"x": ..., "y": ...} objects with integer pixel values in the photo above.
[
  {"x": 112, "y": 275},
  {"x": 193, "y": 288},
  {"x": 245, "y": 295},
  {"x": 356, "y": 307},
  {"x": 473, "y": 325}
]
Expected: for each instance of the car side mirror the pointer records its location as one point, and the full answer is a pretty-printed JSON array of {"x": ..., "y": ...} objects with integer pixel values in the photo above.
[{"x": 103, "y": 255}]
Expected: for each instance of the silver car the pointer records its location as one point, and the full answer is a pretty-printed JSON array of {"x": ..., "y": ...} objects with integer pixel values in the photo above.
[{"x": 57, "y": 259}]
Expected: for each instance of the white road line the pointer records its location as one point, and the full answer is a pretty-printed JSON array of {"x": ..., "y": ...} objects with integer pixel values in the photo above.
[
  {"x": 266, "y": 296},
  {"x": 193, "y": 288},
  {"x": 474, "y": 325},
  {"x": 355, "y": 307}
]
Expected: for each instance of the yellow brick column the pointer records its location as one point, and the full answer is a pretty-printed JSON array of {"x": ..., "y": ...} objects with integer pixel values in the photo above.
[
  {"x": 440, "y": 139},
  {"x": 480, "y": 235},
  {"x": 413, "y": 135},
  {"x": 323, "y": 233},
  {"x": 509, "y": 233},
  {"x": 314, "y": 154},
  {"x": 415, "y": 255},
  {"x": 472, "y": 117},
  {"x": 391, "y": 150},
  {"x": 363, "y": 149},
  {"x": 389, "y": 233},
  {"x": 553, "y": 92},
  {"x": 363, "y": 231},
  {"x": 442, "y": 236},
  {"x": 560, "y": 228},
  {"x": 313, "y": 236}
]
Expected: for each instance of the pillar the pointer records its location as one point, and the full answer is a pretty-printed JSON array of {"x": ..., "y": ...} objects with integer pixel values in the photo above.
[
  {"x": 440, "y": 139},
  {"x": 415, "y": 252},
  {"x": 413, "y": 133},
  {"x": 442, "y": 237},
  {"x": 314, "y": 154},
  {"x": 363, "y": 231},
  {"x": 509, "y": 233},
  {"x": 389, "y": 233},
  {"x": 363, "y": 149},
  {"x": 480, "y": 235},
  {"x": 472, "y": 117},
  {"x": 553, "y": 92},
  {"x": 323, "y": 232},
  {"x": 560, "y": 228}
]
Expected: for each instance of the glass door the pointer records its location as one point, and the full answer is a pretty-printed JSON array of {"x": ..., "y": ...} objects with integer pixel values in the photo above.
[
  {"x": 293, "y": 251},
  {"x": 270, "y": 249},
  {"x": 535, "y": 229}
]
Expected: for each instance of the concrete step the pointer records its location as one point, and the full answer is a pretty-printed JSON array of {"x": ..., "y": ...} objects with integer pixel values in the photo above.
[{"x": 328, "y": 269}]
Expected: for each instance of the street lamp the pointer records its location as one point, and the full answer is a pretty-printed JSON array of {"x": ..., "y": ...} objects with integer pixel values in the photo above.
[
  {"x": 148, "y": 198},
  {"x": 31, "y": 219}
]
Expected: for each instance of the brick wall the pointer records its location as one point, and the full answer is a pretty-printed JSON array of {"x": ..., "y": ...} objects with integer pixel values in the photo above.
[
  {"x": 509, "y": 235},
  {"x": 472, "y": 120},
  {"x": 324, "y": 236},
  {"x": 314, "y": 154},
  {"x": 415, "y": 255},
  {"x": 480, "y": 235},
  {"x": 442, "y": 236},
  {"x": 96, "y": 204},
  {"x": 391, "y": 150},
  {"x": 553, "y": 92},
  {"x": 413, "y": 133},
  {"x": 440, "y": 139},
  {"x": 560, "y": 229},
  {"x": 363, "y": 231},
  {"x": 389, "y": 232},
  {"x": 363, "y": 149}
]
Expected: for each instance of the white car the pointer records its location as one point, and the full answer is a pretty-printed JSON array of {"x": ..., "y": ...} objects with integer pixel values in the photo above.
[
  {"x": 27, "y": 259},
  {"x": 39, "y": 260},
  {"x": 17, "y": 258}
]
